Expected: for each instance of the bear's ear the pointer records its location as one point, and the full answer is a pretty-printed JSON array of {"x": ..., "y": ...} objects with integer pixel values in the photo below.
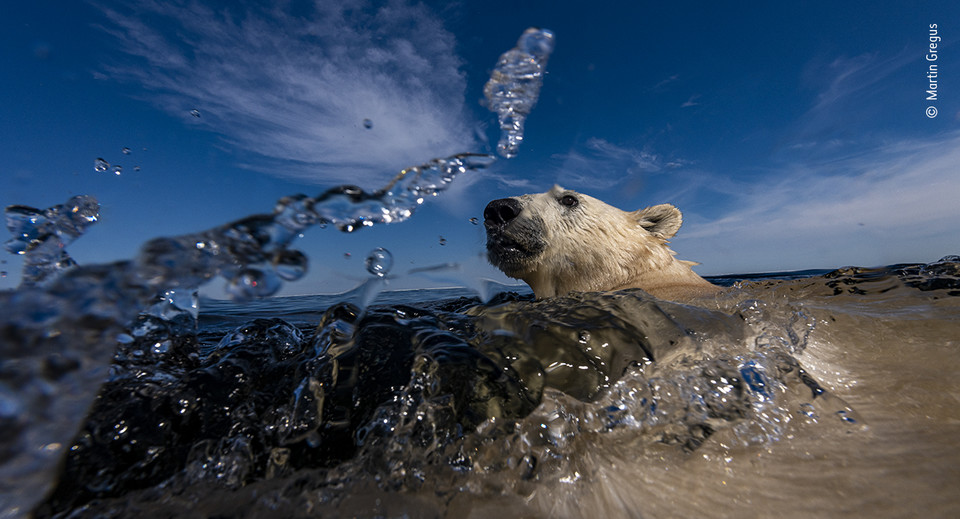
[{"x": 662, "y": 220}]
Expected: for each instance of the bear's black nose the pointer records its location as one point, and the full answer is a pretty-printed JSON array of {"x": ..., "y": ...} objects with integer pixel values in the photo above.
[{"x": 501, "y": 211}]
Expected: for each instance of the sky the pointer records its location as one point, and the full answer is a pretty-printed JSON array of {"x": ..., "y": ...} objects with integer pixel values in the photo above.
[{"x": 792, "y": 135}]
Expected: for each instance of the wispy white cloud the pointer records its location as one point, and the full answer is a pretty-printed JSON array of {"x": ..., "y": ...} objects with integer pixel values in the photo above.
[
  {"x": 846, "y": 76},
  {"x": 661, "y": 85},
  {"x": 600, "y": 164},
  {"x": 692, "y": 101},
  {"x": 297, "y": 89},
  {"x": 896, "y": 203},
  {"x": 852, "y": 94}
]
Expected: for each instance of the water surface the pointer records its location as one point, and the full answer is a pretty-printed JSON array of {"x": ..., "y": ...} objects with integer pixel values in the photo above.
[{"x": 817, "y": 395}]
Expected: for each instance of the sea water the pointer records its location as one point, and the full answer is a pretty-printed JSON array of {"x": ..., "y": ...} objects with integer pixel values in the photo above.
[{"x": 831, "y": 394}]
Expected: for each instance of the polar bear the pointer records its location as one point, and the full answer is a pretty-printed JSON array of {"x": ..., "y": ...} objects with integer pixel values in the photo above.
[{"x": 563, "y": 241}]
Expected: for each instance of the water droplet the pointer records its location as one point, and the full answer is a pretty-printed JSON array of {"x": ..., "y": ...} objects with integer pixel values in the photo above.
[
  {"x": 290, "y": 264},
  {"x": 475, "y": 221},
  {"x": 279, "y": 456},
  {"x": 136, "y": 168},
  {"x": 367, "y": 123},
  {"x": 3, "y": 273},
  {"x": 846, "y": 416},
  {"x": 443, "y": 241},
  {"x": 379, "y": 262},
  {"x": 126, "y": 151},
  {"x": 346, "y": 255},
  {"x": 252, "y": 283},
  {"x": 117, "y": 170},
  {"x": 100, "y": 165},
  {"x": 195, "y": 113},
  {"x": 159, "y": 348},
  {"x": 538, "y": 42}
]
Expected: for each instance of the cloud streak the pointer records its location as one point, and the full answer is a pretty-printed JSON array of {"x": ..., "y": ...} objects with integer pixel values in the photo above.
[
  {"x": 845, "y": 111},
  {"x": 338, "y": 93},
  {"x": 600, "y": 164},
  {"x": 894, "y": 204}
]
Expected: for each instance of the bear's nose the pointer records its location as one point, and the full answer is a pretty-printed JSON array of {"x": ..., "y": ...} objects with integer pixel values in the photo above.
[{"x": 501, "y": 211}]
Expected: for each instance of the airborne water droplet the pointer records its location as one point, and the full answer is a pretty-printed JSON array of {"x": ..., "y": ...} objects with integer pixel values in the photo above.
[
  {"x": 195, "y": 113},
  {"x": 443, "y": 241},
  {"x": 537, "y": 42},
  {"x": 100, "y": 165},
  {"x": 475, "y": 221},
  {"x": 117, "y": 170},
  {"x": 379, "y": 262},
  {"x": 126, "y": 151},
  {"x": 367, "y": 123},
  {"x": 290, "y": 264},
  {"x": 252, "y": 283}
]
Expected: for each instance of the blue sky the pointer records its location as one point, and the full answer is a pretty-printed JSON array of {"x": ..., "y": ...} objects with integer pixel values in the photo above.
[{"x": 791, "y": 135}]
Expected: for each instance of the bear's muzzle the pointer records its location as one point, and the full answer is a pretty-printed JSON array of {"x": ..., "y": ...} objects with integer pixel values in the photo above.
[{"x": 513, "y": 242}]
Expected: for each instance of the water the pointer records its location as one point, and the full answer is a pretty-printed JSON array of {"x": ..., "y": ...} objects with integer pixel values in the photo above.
[
  {"x": 42, "y": 235},
  {"x": 831, "y": 394},
  {"x": 514, "y": 86}
]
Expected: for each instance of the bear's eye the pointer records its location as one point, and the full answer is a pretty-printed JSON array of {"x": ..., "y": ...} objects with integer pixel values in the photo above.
[{"x": 569, "y": 201}]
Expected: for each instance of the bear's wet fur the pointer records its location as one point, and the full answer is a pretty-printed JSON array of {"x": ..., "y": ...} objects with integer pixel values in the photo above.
[{"x": 563, "y": 241}]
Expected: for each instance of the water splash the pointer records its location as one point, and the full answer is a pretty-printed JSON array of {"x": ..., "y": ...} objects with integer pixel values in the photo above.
[
  {"x": 350, "y": 208},
  {"x": 75, "y": 320},
  {"x": 253, "y": 254},
  {"x": 62, "y": 336},
  {"x": 457, "y": 274},
  {"x": 514, "y": 86},
  {"x": 78, "y": 316},
  {"x": 41, "y": 235}
]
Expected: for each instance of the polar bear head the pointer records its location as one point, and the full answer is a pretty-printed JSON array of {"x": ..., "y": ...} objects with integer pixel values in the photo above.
[{"x": 562, "y": 241}]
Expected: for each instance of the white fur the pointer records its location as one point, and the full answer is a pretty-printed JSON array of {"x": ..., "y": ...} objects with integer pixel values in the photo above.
[{"x": 596, "y": 247}]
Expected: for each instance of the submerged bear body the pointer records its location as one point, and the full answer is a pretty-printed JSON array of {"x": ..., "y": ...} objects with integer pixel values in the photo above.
[{"x": 563, "y": 241}]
